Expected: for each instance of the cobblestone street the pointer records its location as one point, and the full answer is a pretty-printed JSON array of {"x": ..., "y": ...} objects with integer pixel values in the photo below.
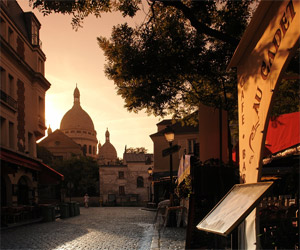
[{"x": 95, "y": 228}]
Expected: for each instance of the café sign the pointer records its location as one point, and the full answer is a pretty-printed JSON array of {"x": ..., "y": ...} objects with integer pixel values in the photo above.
[{"x": 261, "y": 58}]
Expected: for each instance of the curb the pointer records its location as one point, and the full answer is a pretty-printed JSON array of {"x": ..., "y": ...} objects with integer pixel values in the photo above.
[{"x": 155, "y": 244}]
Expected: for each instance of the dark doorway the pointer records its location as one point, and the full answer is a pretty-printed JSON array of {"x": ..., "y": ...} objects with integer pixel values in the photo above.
[
  {"x": 3, "y": 192},
  {"x": 23, "y": 191}
]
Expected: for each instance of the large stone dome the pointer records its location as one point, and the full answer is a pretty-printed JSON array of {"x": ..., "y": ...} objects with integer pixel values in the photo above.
[
  {"x": 76, "y": 117},
  {"x": 107, "y": 153},
  {"x": 78, "y": 125}
]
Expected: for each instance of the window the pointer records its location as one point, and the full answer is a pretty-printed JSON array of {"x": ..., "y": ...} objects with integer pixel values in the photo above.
[
  {"x": 11, "y": 135},
  {"x": 34, "y": 34},
  {"x": 41, "y": 66},
  {"x": 20, "y": 48},
  {"x": 121, "y": 174},
  {"x": 94, "y": 150},
  {"x": 10, "y": 86},
  {"x": 3, "y": 79},
  {"x": 191, "y": 144},
  {"x": 30, "y": 144},
  {"x": 10, "y": 36},
  {"x": 121, "y": 190},
  {"x": 41, "y": 111},
  {"x": 140, "y": 182},
  {"x": 84, "y": 149},
  {"x": 90, "y": 149},
  {"x": 3, "y": 132},
  {"x": 3, "y": 28}
]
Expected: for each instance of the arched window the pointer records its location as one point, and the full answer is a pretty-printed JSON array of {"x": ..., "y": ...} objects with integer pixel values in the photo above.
[
  {"x": 140, "y": 182},
  {"x": 84, "y": 149},
  {"x": 90, "y": 149}
]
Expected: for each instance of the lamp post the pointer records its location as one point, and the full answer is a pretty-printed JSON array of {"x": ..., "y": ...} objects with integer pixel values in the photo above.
[
  {"x": 150, "y": 172},
  {"x": 169, "y": 135}
]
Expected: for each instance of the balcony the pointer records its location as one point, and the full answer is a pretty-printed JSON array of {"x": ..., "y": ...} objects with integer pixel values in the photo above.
[
  {"x": 40, "y": 129},
  {"x": 8, "y": 100}
]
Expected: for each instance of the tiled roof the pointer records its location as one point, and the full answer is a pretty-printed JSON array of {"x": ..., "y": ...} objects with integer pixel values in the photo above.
[{"x": 178, "y": 129}]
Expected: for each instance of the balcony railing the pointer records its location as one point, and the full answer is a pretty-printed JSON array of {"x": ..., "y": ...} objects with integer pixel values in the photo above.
[{"x": 11, "y": 102}]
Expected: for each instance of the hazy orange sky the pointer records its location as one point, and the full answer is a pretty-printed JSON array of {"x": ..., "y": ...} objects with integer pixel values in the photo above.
[{"x": 75, "y": 57}]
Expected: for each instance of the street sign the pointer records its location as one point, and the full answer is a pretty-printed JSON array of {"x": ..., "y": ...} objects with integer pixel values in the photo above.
[{"x": 171, "y": 150}]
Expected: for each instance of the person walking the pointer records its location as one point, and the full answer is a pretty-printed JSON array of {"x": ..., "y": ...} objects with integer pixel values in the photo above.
[{"x": 86, "y": 200}]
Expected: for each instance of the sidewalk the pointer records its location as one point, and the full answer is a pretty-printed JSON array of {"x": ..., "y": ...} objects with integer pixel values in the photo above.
[{"x": 168, "y": 238}]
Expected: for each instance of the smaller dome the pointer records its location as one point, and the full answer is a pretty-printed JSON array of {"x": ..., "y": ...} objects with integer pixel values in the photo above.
[{"x": 107, "y": 152}]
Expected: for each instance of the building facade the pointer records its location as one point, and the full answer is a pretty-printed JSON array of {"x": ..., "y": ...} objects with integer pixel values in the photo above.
[
  {"x": 60, "y": 145},
  {"x": 127, "y": 184},
  {"x": 23, "y": 87},
  {"x": 184, "y": 136}
]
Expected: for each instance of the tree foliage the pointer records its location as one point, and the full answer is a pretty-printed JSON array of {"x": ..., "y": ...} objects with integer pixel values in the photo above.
[
  {"x": 82, "y": 171},
  {"x": 140, "y": 150},
  {"x": 177, "y": 57}
]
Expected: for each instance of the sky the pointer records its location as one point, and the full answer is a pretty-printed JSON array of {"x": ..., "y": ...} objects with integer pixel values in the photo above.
[{"x": 74, "y": 57}]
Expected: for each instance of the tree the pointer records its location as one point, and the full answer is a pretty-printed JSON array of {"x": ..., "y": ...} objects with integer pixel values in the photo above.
[
  {"x": 140, "y": 150},
  {"x": 83, "y": 172},
  {"x": 176, "y": 58}
]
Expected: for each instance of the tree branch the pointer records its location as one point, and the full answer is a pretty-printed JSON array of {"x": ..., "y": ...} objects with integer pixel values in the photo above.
[{"x": 199, "y": 26}]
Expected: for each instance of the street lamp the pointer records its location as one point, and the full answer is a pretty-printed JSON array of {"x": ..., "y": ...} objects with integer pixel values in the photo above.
[
  {"x": 150, "y": 172},
  {"x": 169, "y": 135}
]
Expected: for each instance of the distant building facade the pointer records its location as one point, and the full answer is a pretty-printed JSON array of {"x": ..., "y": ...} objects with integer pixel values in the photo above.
[
  {"x": 23, "y": 87},
  {"x": 126, "y": 184},
  {"x": 60, "y": 145}
]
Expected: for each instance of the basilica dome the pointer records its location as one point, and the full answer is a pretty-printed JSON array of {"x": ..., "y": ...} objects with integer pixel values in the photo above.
[
  {"x": 78, "y": 125},
  {"x": 107, "y": 153},
  {"x": 76, "y": 117}
]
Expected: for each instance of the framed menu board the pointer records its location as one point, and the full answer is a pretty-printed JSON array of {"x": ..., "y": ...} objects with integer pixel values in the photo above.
[{"x": 234, "y": 207}]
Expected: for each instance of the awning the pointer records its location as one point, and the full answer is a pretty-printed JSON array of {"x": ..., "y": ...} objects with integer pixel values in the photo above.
[
  {"x": 53, "y": 171},
  {"x": 47, "y": 173},
  {"x": 18, "y": 159},
  {"x": 283, "y": 132}
]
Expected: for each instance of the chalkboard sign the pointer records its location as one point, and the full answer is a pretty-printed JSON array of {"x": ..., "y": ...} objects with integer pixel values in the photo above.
[{"x": 234, "y": 207}]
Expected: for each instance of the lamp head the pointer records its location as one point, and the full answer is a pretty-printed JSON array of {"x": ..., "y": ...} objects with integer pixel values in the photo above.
[
  {"x": 169, "y": 134},
  {"x": 150, "y": 171}
]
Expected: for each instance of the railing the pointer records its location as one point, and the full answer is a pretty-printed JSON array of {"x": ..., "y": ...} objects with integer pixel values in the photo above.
[{"x": 8, "y": 100}]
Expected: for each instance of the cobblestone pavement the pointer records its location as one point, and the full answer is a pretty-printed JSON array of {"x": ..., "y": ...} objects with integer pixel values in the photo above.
[{"x": 96, "y": 228}]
